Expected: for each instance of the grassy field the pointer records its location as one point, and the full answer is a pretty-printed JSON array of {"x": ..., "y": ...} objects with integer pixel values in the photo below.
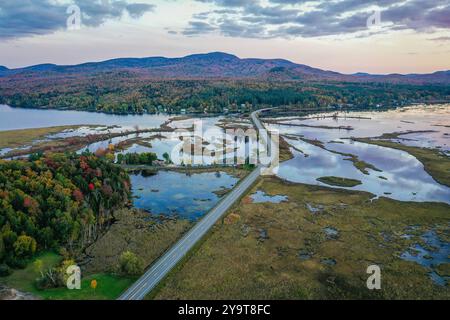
[
  {"x": 24, "y": 279},
  {"x": 285, "y": 150},
  {"x": 283, "y": 251},
  {"x": 340, "y": 182},
  {"x": 133, "y": 231},
  {"x": 109, "y": 287},
  {"x": 18, "y": 138},
  {"x": 240, "y": 173}
]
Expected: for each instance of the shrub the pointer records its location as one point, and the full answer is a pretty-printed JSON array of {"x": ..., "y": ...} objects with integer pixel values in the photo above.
[
  {"x": 15, "y": 262},
  {"x": 130, "y": 264},
  {"x": 54, "y": 277},
  {"x": 62, "y": 270},
  {"x": 146, "y": 158},
  {"x": 24, "y": 246},
  {"x": 2, "y": 248},
  {"x": 49, "y": 279},
  {"x": 5, "y": 270}
]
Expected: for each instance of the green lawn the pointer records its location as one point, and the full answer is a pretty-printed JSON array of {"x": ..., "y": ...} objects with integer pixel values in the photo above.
[
  {"x": 24, "y": 279},
  {"x": 109, "y": 286}
]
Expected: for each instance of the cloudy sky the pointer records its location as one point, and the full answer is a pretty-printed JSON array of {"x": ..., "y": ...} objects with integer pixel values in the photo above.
[{"x": 377, "y": 36}]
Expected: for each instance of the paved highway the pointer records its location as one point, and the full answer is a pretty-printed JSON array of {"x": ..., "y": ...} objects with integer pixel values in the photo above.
[
  {"x": 255, "y": 119},
  {"x": 169, "y": 260}
]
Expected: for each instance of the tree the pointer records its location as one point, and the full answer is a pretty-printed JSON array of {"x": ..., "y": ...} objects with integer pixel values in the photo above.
[
  {"x": 5, "y": 270},
  {"x": 62, "y": 270},
  {"x": 166, "y": 157},
  {"x": 38, "y": 266},
  {"x": 120, "y": 158},
  {"x": 58, "y": 200},
  {"x": 78, "y": 195},
  {"x": 2, "y": 248},
  {"x": 130, "y": 264},
  {"x": 35, "y": 156},
  {"x": 110, "y": 157},
  {"x": 145, "y": 158},
  {"x": 24, "y": 246},
  {"x": 54, "y": 277}
]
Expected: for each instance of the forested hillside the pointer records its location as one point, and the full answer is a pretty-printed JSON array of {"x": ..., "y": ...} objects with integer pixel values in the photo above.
[
  {"x": 209, "y": 83},
  {"x": 128, "y": 93},
  {"x": 56, "y": 201}
]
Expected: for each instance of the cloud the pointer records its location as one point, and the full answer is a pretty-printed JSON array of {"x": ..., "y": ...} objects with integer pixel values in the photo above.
[
  {"x": 229, "y": 3},
  {"x": 440, "y": 39},
  {"x": 196, "y": 27},
  {"x": 38, "y": 17},
  {"x": 137, "y": 10},
  {"x": 312, "y": 18}
]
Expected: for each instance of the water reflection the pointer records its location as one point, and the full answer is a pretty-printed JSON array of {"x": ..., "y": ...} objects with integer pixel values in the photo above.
[
  {"x": 20, "y": 118},
  {"x": 435, "y": 253},
  {"x": 262, "y": 197},
  {"x": 179, "y": 194},
  {"x": 373, "y": 124},
  {"x": 402, "y": 176}
]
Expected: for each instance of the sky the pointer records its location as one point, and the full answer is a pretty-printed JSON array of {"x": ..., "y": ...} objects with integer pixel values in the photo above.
[{"x": 348, "y": 36}]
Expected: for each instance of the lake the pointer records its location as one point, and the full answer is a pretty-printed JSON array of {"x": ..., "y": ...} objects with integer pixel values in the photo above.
[
  {"x": 20, "y": 118},
  {"x": 170, "y": 193},
  {"x": 401, "y": 176}
]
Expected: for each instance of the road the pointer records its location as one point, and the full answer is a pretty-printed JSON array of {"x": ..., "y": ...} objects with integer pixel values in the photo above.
[
  {"x": 255, "y": 119},
  {"x": 171, "y": 258}
]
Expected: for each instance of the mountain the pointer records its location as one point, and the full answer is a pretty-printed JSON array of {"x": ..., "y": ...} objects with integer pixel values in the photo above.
[
  {"x": 217, "y": 65},
  {"x": 3, "y": 68}
]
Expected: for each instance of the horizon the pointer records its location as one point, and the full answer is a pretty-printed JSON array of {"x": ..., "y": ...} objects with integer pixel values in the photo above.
[
  {"x": 388, "y": 37},
  {"x": 219, "y": 52}
]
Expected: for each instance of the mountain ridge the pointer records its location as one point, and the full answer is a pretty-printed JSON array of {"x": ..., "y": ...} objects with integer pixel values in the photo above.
[{"x": 219, "y": 65}]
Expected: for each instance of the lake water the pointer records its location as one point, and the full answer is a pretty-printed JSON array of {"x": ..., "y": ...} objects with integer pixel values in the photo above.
[
  {"x": 170, "y": 143},
  {"x": 433, "y": 253},
  {"x": 20, "y": 118},
  {"x": 262, "y": 197},
  {"x": 179, "y": 194},
  {"x": 435, "y": 119},
  {"x": 402, "y": 176}
]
